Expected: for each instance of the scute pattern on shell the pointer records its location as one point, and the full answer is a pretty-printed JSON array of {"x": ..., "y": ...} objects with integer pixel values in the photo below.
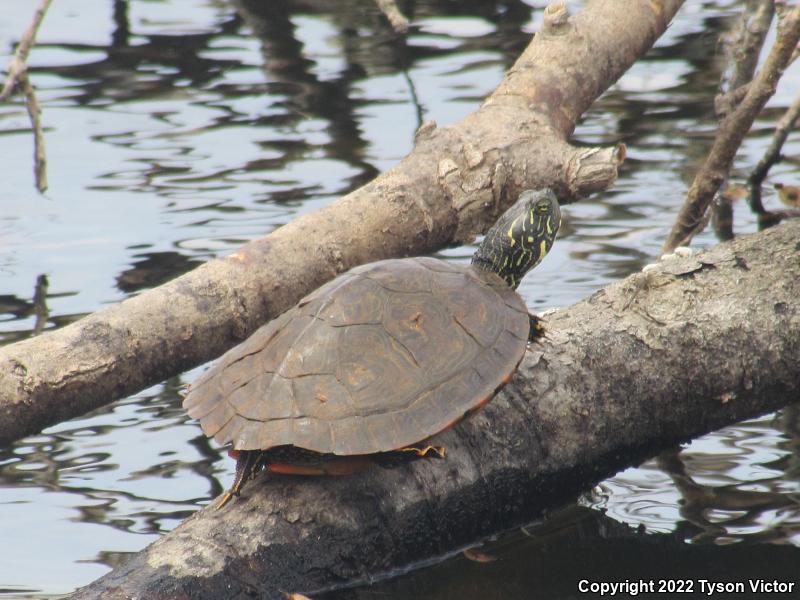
[{"x": 384, "y": 356}]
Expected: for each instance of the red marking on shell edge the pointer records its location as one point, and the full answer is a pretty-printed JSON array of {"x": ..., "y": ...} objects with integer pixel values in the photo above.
[
  {"x": 506, "y": 380},
  {"x": 234, "y": 454},
  {"x": 286, "y": 469}
]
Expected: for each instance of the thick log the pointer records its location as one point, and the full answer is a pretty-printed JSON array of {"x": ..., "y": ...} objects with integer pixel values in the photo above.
[
  {"x": 678, "y": 350},
  {"x": 453, "y": 185}
]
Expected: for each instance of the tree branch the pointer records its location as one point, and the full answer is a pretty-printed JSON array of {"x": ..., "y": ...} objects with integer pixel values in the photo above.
[
  {"x": 451, "y": 186},
  {"x": 18, "y": 63},
  {"x": 18, "y": 75},
  {"x": 396, "y": 19},
  {"x": 692, "y": 216}
]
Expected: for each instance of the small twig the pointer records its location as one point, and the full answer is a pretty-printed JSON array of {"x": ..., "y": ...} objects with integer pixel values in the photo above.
[
  {"x": 19, "y": 60},
  {"x": 731, "y": 133},
  {"x": 35, "y": 114},
  {"x": 18, "y": 77},
  {"x": 397, "y": 20}
]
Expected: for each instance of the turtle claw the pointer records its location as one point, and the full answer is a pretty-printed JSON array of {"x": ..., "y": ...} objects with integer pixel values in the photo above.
[
  {"x": 248, "y": 463},
  {"x": 425, "y": 451},
  {"x": 225, "y": 499}
]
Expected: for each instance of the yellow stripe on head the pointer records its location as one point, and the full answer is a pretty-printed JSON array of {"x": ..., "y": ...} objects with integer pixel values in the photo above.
[{"x": 510, "y": 232}]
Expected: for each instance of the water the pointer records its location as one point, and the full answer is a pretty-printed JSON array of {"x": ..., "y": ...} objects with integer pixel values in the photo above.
[{"x": 177, "y": 130}]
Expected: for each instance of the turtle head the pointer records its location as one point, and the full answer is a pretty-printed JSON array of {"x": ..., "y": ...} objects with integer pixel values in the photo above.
[{"x": 521, "y": 237}]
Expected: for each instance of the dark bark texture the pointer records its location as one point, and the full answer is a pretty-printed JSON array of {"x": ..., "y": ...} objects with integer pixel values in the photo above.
[
  {"x": 677, "y": 350},
  {"x": 453, "y": 185}
]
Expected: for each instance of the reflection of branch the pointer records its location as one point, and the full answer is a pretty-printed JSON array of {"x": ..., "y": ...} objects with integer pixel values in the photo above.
[
  {"x": 18, "y": 75},
  {"x": 414, "y": 98},
  {"x": 699, "y": 499},
  {"x": 730, "y": 134},
  {"x": 18, "y": 62},
  {"x": 722, "y": 211},
  {"x": 40, "y": 304},
  {"x": 396, "y": 18}
]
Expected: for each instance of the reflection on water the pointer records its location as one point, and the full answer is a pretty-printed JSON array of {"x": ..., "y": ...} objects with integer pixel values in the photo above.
[
  {"x": 153, "y": 269},
  {"x": 551, "y": 558},
  {"x": 737, "y": 485},
  {"x": 177, "y": 129}
]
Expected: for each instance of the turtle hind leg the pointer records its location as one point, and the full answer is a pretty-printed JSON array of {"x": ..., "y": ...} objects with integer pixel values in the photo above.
[
  {"x": 537, "y": 331},
  {"x": 395, "y": 458},
  {"x": 248, "y": 463}
]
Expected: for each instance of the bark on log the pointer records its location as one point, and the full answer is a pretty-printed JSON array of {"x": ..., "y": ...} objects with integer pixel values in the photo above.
[
  {"x": 673, "y": 352},
  {"x": 453, "y": 185}
]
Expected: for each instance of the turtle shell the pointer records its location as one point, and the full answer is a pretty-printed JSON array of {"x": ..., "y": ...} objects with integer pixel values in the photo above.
[{"x": 382, "y": 357}]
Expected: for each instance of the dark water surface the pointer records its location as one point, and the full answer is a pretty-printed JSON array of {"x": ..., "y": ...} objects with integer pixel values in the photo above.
[{"x": 178, "y": 129}]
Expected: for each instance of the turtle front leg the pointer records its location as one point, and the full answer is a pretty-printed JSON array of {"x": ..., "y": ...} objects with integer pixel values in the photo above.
[
  {"x": 537, "y": 330},
  {"x": 248, "y": 463}
]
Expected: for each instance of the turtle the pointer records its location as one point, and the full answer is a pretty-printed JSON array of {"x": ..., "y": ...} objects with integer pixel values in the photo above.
[{"x": 375, "y": 362}]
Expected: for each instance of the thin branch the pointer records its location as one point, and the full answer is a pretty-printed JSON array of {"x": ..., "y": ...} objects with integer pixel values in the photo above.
[
  {"x": 35, "y": 114},
  {"x": 396, "y": 18},
  {"x": 756, "y": 22},
  {"x": 743, "y": 49},
  {"x": 18, "y": 76},
  {"x": 773, "y": 153},
  {"x": 732, "y": 130},
  {"x": 18, "y": 63}
]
